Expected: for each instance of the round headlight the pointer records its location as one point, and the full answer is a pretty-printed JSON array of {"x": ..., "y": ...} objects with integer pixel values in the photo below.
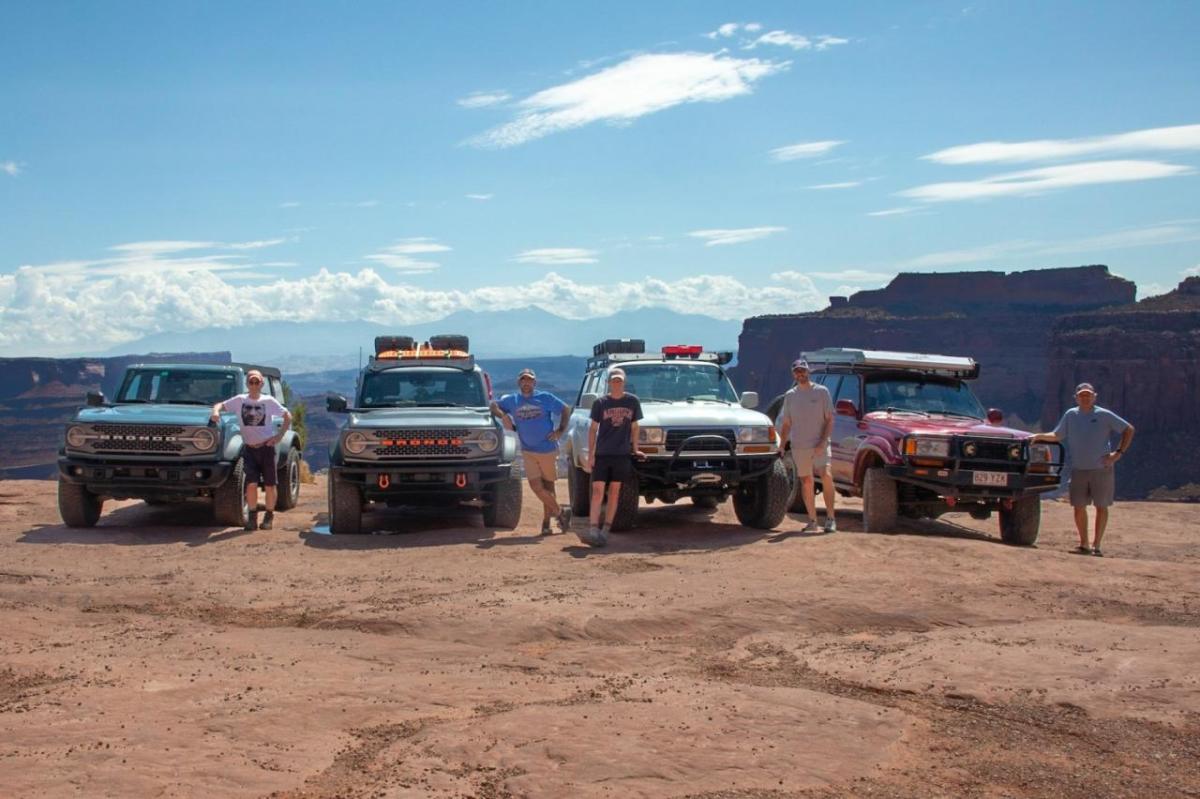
[
  {"x": 76, "y": 436},
  {"x": 970, "y": 449},
  {"x": 488, "y": 441},
  {"x": 204, "y": 439},
  {"x": 1014, "y": 452},
  {"x": 355, "y": 443}
]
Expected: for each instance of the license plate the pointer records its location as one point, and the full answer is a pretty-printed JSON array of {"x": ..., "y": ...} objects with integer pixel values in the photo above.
[{"x": 989, "y": 478}]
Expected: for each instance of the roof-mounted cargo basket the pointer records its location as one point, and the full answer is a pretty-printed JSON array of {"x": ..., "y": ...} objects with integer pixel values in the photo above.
[
  {"x": 948, "y": 365},
  {"x": 392, "y": 343},
  {"x": 620, "y": 346}
]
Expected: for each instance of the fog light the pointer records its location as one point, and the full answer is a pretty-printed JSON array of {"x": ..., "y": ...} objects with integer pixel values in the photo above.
[
  {"x": 970, "y": 449},
  {"x": 1014, "y": 452},
  {"x": 77, "y": 471},
  {"x": 199, "y": 474}
]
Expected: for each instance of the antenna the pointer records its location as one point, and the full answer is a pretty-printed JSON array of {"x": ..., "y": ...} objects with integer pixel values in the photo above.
[{"x": 360, "y": 357}]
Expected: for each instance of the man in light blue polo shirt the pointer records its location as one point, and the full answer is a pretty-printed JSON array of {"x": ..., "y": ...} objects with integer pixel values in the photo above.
[
  {"x": 539, "y": 418},
  {"x": 1087, "y": 431}
]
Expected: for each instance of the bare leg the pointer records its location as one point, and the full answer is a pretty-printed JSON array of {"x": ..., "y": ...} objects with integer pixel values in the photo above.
[
  {"x": 809, "y": 492},
  {"x": 1101, "y": 525},
  {"x": 827, "y": 490},
  {"x": 549, "y": 504},
  {"x": 614, "y": 493},
  {"x": 272, "y": 495},
  {"x": 1081, "y": 524},
  {"x": 252, "y": 497},
  {"x": 597, "y": 500}
]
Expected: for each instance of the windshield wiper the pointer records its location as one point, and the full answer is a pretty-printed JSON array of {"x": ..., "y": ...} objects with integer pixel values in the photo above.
[
  {"x": 653, "y": 399},
  {"x": 894, "y": 409},
  {"x": 440, "y": 404},
  {"x": 959, "y": 415},
  {"x": 134, "y": 401},
  {"x": 709, "y": 399},
  {"x": 186, "y": 402}
]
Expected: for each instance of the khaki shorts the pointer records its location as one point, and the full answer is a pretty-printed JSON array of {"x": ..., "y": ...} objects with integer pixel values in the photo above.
[
  {"x": 540, "y": 465},
  {"x": 1092, "y": 487},
  {"x": 810, "y": 460}
]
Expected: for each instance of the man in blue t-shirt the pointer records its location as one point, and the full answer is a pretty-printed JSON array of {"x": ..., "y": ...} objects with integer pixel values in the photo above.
[
  {"x": 1086, "y": 431},
  {"x": 539, "y": 418}
]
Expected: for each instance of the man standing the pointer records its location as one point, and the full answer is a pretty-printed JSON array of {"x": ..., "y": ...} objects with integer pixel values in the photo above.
[
  {"x": 1086, "y": 431},
  {"x": 612, "y": 446},
  {"x": 256, "y": 412},
  {"x": 806, "y": 421},
  {"x": 539, "y": 418}
]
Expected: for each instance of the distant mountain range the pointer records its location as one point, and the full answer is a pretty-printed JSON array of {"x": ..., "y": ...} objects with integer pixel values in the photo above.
[{"x": 319, "y": 346}]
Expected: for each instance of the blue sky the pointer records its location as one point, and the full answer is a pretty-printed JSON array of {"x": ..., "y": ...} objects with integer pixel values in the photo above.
[{"x": 178, "y": 165}]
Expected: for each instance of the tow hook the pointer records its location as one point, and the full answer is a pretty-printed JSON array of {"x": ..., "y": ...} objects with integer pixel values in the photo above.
[
  {"x": 460, "y": 480},
  {"x": 384, "y": 481},
  {"x": 951, "y": 501}
]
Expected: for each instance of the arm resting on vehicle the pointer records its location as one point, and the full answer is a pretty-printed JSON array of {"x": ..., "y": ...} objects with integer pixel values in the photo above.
[{"x": 1040, "y": 437}]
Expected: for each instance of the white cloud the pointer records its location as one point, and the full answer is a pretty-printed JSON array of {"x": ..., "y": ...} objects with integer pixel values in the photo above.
[
  {"x": 46, "y": 313},
  {"x": 255, "y": 245},
  {"x": 846, "y": 184},
  {"x": 1181, "y": 137},
  {"x": 1039, "y": 181},
  {"x": 290, "y": 204},
  {"x": 480, "y": 197},
  {"x": 892, "y": 211},
  {"x": 796, "y": 41},
  {"x": 807, "y": 149},
  {"x": 399, "y": 256},
  {"x": 729, "y": 29},
  {"x": 1191, "y": 272},
  {"x": 719, "y": 236},
  {"x": 1145, "y": 290},
  {"x": 557, "y": 256},
  {"x": 484, "y": 99},
  {"x": 641, "y": 85},
  {"x": 855, "y": 276},
  {"x": 10, "y": 168}
]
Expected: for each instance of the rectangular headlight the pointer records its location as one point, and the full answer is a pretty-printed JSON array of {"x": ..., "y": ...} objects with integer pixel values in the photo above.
[
  {"x": 651, "y": 435},
  {"x": 756, "y": 434},
  {"x": 927, "y": 447}
]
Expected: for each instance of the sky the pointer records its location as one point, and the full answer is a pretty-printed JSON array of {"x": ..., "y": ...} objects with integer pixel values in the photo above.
[{"x": 182, "y": 165}]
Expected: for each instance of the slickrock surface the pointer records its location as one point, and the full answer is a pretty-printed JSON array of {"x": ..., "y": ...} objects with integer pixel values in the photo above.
[{"x": 157, "y": 655}]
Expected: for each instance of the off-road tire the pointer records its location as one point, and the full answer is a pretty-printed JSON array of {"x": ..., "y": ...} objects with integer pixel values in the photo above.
[
  {"x": 345, "y": 507},
  {"x": 1020, "y": 525},
  {"x": 796, "y": 497},
  {"x": 764, "y": 503},
  {"x": 627, "y": 506},
  {"x": 881, "y": 501},
  {"x": 503, "y": 508},
  {"x": 229, "y": 500},
  {"x": 706, "y": 502},
  {"x": 78, "y": 506},
  {"x": 288, "y": 493},
  {"x": 579, "y": 489}
]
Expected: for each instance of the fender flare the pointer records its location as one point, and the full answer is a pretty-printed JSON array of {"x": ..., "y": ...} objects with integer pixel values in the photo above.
[{"x": 873, "y": 446}]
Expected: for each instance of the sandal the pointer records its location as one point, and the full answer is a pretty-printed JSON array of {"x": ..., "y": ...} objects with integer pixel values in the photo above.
[
  {"x": 1096, "y": 551},
  {"x": 1082, "y": 550}
]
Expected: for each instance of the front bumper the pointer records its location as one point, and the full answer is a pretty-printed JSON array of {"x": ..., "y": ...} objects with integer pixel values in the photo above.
[
  {"x": 714, "y": 469},
  {"x": 125, "y": 479},
  {"x": 433, "y": 482},
  {"x": 960, "y": 483}
]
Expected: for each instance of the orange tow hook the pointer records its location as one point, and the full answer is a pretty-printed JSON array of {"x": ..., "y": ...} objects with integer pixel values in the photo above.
[
  {"x": 460, "y": 480},
  {"x": 384, "y": 481}
]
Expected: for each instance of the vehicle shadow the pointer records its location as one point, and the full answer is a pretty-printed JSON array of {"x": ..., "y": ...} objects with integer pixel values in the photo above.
[
  {"x": 404, "y": 527},
  {"x": 139, "y": 525}
]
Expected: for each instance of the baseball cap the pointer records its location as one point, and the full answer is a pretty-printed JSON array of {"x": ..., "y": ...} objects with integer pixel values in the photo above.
[
  {"x": 799, "y": 363},
  {"x": 1082, "y": 387},
  {"x": 526, "y": 373},
  {"x": 617, "y": 374}
]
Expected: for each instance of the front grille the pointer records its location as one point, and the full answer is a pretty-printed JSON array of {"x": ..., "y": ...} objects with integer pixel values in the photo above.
[
  {"x": 151, "y": 439},
  {"x": 677, "y": 437},
  {"x": 423, "y": 443}
]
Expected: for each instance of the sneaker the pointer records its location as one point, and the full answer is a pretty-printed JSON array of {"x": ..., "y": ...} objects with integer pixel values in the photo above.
[
  {"x": 251, "y": 522},
  {"x": 545, "y": 527},
  {"x": 564, "y": 519},
  {"x": 830, "y": 526},
  {"x": 811, "y": 527},
  {"x": 593, "y": 537},
  {"x": 268, "y": 520},
  {"x": 1096, "y": 551}
]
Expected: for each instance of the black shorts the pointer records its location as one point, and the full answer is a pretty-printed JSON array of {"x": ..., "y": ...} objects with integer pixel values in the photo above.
[
  {"x": 260, "y": 465},
  {"x": 612, "y": 469}
]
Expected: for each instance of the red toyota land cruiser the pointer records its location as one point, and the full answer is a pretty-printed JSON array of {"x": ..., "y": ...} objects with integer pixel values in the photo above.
[{"x": 912, "y": 440}]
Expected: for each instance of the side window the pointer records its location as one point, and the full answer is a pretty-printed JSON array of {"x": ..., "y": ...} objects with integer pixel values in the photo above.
[
  {"x": 276, "y": 388},
  {"x": 585, "y": 387},
  {"x": 832, "y": 382},
  {"x": 849, "y": 390}
]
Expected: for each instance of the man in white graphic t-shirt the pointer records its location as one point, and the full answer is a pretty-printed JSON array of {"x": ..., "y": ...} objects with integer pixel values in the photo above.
[{"x": 256, "y": 413}]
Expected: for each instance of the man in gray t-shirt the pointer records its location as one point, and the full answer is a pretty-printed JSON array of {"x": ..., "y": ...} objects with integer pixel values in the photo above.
[
  {"x": 1086, "y": 431},
  {"x": 806, "y": 422}
]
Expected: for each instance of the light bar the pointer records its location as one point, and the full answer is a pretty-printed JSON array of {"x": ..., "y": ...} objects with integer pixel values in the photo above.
[{"x": 685, "y": 350}]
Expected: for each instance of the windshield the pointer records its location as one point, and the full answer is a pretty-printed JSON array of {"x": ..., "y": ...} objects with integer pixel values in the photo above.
[
  {"x": 178, "y": 386},
  {"x": 926, "y": 396},
  {"x": 407, "y": 387},
  {"x": 675, "y": 382}
]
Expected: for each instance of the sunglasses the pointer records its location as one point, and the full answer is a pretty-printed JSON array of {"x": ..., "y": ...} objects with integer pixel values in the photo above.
[{"x": 254, "y": 381}]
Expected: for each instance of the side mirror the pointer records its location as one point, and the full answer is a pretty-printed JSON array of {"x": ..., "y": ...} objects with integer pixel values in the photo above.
[
  {"x": 335, "y": 403},
  {"x": 95, "y": 399},
  {"x": 846, "y": 407},
  {"x": 587, "y": 401},
  {"x": 749, "y": 399},
  {"x": 995, "y": 416}
]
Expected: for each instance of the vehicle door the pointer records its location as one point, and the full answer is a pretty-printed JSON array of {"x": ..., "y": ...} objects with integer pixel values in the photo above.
[
  {"x": 577, "y": 425},
  {"x": 845, "y": 429}
]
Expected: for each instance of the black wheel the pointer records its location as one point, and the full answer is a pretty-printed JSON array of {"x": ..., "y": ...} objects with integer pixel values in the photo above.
[
  {"x": 627, "y": 506},
  {"x": 289, "y": 481},
  {"x": 706, "y": 502},
  {"x": 1020, "y": 525},
  {"x": 881, "y": 501},
  {"x": 503, "y": 508},
  {"x": 78, "y": 506},
  {"x": 796, "y": 497},
  {"x": 579, "y": 487},
  {"x": 229, "y": 500},
  {"x": 345, "y": 507},
  {"x": 764, "y": 502}
]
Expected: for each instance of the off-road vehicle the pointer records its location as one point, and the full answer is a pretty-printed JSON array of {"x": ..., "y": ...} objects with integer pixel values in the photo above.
[
  {"x": 155, "y": 442},
  {"x": 700, "y": 438},
  {"x": 912, "y": 440},
  {"x": 421, "y": 433}
]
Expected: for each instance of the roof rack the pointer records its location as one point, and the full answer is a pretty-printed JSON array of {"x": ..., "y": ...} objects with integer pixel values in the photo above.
[{"x": 948, "y": 365}]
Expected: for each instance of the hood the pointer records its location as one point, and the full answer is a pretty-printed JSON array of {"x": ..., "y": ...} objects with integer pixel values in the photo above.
[
  {"x": 941, "y": 425},
  {"x": 699, "y": 414},
  {"x": 420, "y": 417},
  {"x": 147, "y": 414}
]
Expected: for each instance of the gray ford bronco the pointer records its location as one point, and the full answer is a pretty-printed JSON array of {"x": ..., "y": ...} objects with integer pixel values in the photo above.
[
  {"x": 155, "y": 442},
  {"x": 701, "y": 440},
  {"x": 421, "y": 433}
]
